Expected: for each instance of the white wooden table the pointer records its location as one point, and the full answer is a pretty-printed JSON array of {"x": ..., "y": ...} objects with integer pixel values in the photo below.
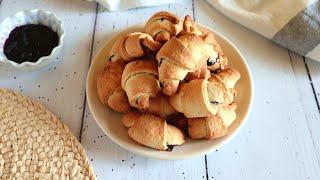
[{"x": 281, "y": 139}]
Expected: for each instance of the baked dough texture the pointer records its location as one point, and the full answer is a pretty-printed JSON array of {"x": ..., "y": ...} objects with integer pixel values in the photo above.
[
  {"x": 153, "y": 131},
  {"x": 140, "y": 81},
  {"x": 109, "y": 87},
  {"x": 160, "y": 106},
  {"x": 163, "y": 25},
  {"x": 131, "y": 46},
  {"x": 212, "y": 127},
  {"x": 172, "y": 79},
  {"x": 128, "y": 119},
  {"x": 201, "y": 98},
  {"x": 179, "y": 56}
]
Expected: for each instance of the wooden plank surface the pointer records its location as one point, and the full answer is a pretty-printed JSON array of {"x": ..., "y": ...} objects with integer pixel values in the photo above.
[
  {"x": 313, "y": 70},
  {"x": 276, "y": 142},
  {"x": 108, "y": 159},
  {"x": 281, "y": 139}
]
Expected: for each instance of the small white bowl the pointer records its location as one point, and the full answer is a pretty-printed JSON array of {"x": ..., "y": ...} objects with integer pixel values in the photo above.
[
  {"x": 110, "y": 121},
  {"x": 35, "y": 16}
]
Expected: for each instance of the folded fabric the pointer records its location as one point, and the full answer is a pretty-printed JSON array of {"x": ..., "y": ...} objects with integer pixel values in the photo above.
[
  {"x": 294, "y": 24},
  {"x": 117, "y": 5}
]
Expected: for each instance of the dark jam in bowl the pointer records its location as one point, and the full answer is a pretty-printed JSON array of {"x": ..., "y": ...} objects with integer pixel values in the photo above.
[{"x": 30, "y": 42}]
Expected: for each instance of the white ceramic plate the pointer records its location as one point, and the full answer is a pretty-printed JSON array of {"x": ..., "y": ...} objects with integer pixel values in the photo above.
[{"x": 110, "y": 121}]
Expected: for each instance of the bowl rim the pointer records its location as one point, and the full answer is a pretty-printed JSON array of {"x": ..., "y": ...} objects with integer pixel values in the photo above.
[
  {"x": 183, "y": 155},
  {"x": 41, "y": 59}
]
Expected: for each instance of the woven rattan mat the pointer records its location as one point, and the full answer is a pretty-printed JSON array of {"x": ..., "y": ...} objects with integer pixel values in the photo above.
[{"x": 34, "y": 144}]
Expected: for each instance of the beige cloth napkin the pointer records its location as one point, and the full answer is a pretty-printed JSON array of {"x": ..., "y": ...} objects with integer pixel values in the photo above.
[{"x": 294, "y": 24}]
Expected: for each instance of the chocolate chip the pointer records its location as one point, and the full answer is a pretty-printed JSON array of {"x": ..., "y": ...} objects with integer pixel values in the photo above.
[
  {"x": 161, "y": 85},
  {"x": 110, "y": 58},
  {"x": 214, "y": 102},
  {"x": 161, "y": 59},
  {"x": 213, "y": 60},
  {"x": 170, "y": 147},
  {"x": 186, "y": 130}
]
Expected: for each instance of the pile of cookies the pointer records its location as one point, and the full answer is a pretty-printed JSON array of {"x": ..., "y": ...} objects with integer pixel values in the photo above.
[{"x": 170, "y": 82}]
